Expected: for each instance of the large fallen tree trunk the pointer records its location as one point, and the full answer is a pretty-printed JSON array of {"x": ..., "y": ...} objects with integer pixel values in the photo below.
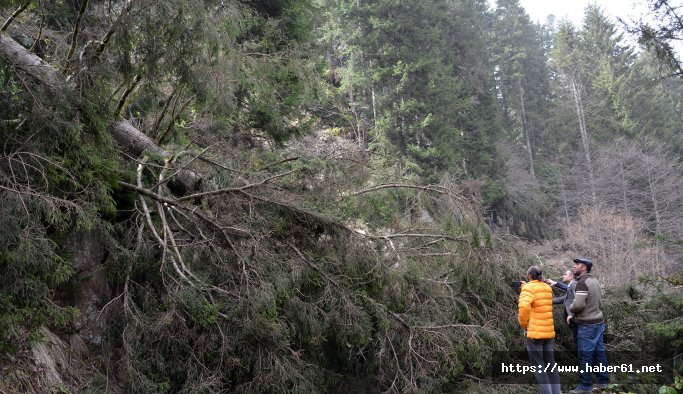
[
  {"x": 12, "y": 52},
  {"x": 132, "y": 140}
]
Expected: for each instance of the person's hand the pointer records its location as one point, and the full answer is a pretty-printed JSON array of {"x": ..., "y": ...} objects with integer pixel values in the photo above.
[
  {"x": 569, "y": 319},
  {"x": 551, "y": 282}
]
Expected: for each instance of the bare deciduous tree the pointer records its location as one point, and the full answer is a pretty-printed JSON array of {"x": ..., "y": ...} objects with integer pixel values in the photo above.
[{"x": 616, "y": 243}]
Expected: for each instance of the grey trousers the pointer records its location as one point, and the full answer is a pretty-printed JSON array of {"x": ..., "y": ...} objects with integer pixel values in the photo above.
[{"x": 542, "y": 358}]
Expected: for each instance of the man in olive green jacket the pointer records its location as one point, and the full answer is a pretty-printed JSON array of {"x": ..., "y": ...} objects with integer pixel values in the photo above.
[{"x": 588, "y": 315}]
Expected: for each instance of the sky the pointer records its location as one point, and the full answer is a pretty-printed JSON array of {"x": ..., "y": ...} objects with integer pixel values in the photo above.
[{"x": 538, "y": 10}]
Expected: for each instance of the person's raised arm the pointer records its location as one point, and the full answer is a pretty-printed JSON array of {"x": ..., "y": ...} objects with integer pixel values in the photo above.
[{"x": 559, "y": 299}]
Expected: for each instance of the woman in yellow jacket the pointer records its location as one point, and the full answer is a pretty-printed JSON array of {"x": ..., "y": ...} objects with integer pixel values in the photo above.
[{"x": 536, "y": 319}]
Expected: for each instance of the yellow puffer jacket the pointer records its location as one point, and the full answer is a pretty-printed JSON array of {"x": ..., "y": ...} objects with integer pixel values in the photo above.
[{"x": 536, "y": 310}]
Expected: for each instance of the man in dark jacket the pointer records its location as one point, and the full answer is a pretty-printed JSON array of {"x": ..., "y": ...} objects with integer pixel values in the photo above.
[
  {"x": 588, "y": 315},
  {"x": 569, "y": 286}
]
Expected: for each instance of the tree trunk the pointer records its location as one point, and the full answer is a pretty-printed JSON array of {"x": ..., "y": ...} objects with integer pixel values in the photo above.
[
  {"x": 134, "y": 142},
  {"x": 653, "y": 197},
  {"x": 564, "y": 201},
  {"x": 12, "y": 52},
  {"x": 624, "y": 186},
  {"x": 655, "y": 209},
  {"x": 525, "y": 130},
  {"x": 374, "y": 104},
  {"x": 578, "y": 102},
  {"x": 131, "y": 139}
]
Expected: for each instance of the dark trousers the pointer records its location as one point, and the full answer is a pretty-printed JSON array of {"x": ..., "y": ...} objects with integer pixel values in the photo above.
[
  {"x": 541, "y": 356},
  {"x": 591, "y": 353},
  {"x": 575, "y": 333},
  {"x": 574, "y": 328}
]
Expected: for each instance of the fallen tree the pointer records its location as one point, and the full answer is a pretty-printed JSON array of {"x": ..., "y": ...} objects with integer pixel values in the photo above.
[
  {"x": 270, "y": 281},
  {"x": 124, "y": 133}
]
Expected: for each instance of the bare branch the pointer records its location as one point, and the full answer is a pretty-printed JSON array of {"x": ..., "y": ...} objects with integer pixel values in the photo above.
[
  {"x": 143, "y": 204},
  {"x": 167, "y": 230},
  {"x": 14, "y": 15},
  {"x": 278, "y": 162},
  {"x": 463, "y": 238},
  {"x": 400, "y": 320},
  {"x": 234, "y": 189},
  {"x": 192, "y": 210},
  {"x": 433, "y": 188},
  {"x": 40, "y": 33}
]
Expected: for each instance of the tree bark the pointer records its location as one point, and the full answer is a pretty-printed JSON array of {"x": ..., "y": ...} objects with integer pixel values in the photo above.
[
  {"x": 77, "y": 29},
  {"x": 15, "y": 54},
  {"x": 135, "y": 142},
  {"x": 564, "y": 201},
  {"x": 525, "y": 130},
  {"x": 578, "y": 102}
]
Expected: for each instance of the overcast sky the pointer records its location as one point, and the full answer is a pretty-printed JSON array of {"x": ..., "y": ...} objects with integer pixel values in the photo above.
[{"x": 538, "y": 10}]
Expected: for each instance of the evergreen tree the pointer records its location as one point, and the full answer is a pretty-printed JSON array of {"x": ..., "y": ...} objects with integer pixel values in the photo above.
[
  {"x": 661, "y": 31},
  {"x": 653, "y": 103},
  {"x": 521, "y": 75},
  {"x": 420, "y": 98},
  {"x": 607, "y": 64}
]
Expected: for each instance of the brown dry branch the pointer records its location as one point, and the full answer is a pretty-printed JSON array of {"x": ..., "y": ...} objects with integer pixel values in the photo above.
[
  {"x": 465, "y": 239},
  {"x": 193, "y": 210},
  {"x": 270, "y": 165},
  {"x": 234, "y": 189}
]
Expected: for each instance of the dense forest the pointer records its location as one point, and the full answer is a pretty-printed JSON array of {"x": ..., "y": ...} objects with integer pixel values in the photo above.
[{"x": 326, "y": 196}]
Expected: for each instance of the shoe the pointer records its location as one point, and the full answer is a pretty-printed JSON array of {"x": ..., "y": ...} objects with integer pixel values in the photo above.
[
  {"x": 600, "y": 386},
  {"x": 581, "y": 391}
]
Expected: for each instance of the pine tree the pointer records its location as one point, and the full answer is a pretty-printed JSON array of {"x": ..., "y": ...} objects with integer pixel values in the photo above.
[
  {"x": 404, "y": 73},
  {"x": 521, "y": 74}
]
